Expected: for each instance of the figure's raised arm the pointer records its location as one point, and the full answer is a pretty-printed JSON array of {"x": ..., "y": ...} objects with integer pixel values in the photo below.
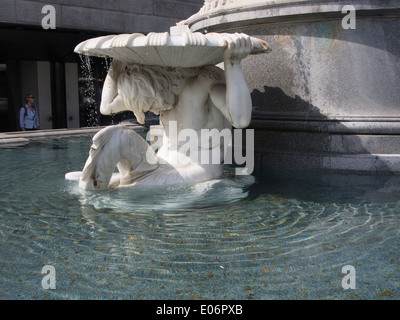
[
  {"x": 111, "y": 102},
  {"x": 234, "y": 98}
]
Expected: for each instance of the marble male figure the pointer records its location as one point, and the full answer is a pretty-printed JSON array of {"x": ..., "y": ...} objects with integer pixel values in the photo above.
[{"x": 191, "y": 98}]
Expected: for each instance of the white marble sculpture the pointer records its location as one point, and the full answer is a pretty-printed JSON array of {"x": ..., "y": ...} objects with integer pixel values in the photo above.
[{"x": 172, "y": 75}]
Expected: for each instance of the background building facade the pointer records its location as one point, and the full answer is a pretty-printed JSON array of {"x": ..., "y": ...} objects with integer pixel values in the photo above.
[{"x": 41, "y": 61}]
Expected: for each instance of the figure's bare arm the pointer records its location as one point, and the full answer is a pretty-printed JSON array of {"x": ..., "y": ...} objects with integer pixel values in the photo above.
[
  {"x": 111, "y": 102},
  {"x": 233, "y": 99}
]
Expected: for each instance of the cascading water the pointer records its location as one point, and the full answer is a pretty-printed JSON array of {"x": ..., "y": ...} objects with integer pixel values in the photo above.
[{"x": 88, "y": 105}]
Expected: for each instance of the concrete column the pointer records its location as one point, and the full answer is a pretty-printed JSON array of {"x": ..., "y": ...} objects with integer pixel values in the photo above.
[
  {"x": 72, "y": 94},
  {"x": 29, "y": 79},
  {"x": 44, "y": 94}
]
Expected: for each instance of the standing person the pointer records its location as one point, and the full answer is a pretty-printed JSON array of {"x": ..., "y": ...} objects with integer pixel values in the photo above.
[{"x": 28, "y": 115}]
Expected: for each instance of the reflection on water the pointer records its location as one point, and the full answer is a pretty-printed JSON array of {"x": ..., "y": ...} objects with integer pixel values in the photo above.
[
  {"x": 278, "y": 235},
  {"x": 203, "y": 195}
]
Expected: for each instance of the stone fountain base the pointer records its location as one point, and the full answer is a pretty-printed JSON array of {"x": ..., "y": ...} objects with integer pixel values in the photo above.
[{"x": 326, "y": 97}]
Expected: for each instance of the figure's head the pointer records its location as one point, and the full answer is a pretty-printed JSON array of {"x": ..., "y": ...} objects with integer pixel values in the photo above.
[
  {"x": 146, "y": 88},
  {"x": 152, "y": 88}
]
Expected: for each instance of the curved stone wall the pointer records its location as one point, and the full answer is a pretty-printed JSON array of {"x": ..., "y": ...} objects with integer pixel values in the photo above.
[{"x": 325, "y": 97}]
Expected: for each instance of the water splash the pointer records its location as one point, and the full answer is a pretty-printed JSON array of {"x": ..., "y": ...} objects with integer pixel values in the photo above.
[
  {"x": 208, "y": 194},
  {"x": 88, "y": 92}
]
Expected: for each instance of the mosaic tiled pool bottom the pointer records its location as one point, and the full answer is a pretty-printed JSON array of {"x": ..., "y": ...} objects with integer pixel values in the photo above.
[{"x": 286, "y": 236}]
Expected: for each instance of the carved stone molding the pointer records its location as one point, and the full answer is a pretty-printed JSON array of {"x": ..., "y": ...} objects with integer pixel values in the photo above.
[{"x": 216, "y": 15}]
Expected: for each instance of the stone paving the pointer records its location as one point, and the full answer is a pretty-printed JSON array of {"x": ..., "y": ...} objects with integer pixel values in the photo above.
[{"x": 23, "y": 137}]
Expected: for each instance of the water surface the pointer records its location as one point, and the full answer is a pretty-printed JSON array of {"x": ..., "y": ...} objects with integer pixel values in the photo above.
[{"x": 287, "y": 235}]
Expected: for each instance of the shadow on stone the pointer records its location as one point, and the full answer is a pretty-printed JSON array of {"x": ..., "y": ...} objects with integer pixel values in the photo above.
[{"x": 301, "y": 137}]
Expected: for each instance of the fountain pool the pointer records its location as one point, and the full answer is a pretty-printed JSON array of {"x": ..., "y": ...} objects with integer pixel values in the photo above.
[{"x": 285, "y": 236}]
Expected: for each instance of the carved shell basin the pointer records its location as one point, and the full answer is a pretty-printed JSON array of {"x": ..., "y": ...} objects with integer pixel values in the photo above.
[{"x": 182, "y": 49}]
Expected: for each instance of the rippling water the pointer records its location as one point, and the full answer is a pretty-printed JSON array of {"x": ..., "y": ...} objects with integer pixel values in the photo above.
[{"x": 277, "y": 235}]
